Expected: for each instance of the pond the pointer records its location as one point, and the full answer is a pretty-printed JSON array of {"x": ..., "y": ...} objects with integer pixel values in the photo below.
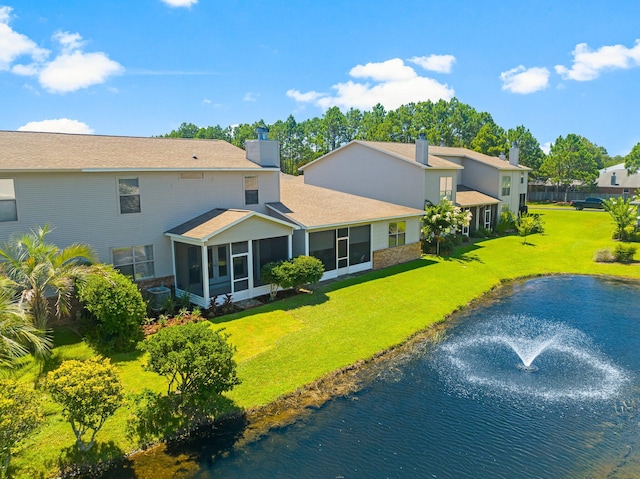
[{"x": 538, "y": 381}]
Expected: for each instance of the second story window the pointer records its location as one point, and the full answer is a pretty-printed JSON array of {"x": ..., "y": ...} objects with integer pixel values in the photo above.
[
  {"x": 129, "y": 195},
  {"x": 446, "y": 187},
  {"x": 250, "y": 190},
  {"x": 8, "y": 206},
  {"x": 506, "y": 185}
]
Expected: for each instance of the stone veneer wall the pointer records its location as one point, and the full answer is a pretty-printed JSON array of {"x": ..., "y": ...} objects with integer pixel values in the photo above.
[{"x": 396, "y": 255}]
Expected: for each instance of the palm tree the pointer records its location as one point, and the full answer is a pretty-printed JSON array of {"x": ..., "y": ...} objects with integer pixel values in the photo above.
[
  {"x": 40, "y": 270},
  {"x": 18, "y": 335}
]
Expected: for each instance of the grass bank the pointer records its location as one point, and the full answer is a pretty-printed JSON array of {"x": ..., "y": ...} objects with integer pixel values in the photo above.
[{"x": 290, "y": 343}]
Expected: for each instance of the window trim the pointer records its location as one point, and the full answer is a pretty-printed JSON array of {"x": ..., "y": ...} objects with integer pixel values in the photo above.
[
  {"x": 256, "y": 190},
  {"x": 135, "y": 263},
  {"x": 506, "y": 185},
  {"x": 12, "y": 200},
  {"x": 394, "y": 237},
  {"x": 447, "y": 191},
  {"x": 120, "y": 195}
]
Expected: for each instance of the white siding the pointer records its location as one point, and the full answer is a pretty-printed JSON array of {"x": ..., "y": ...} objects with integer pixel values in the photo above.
[
  {"x": 380, "y": 232},
  {"x": 83, "y": 207}
]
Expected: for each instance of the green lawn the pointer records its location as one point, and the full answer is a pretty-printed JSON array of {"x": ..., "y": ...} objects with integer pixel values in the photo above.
[{"x": 293, "y": 342}]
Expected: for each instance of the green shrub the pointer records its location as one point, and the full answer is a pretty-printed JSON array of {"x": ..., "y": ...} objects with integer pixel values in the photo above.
[
  {"x": 117, "y": 308},
  {"x": 624, "y": 253},
  {"x": 293, "y": 273},
  {"x": 604, "y": 255}
]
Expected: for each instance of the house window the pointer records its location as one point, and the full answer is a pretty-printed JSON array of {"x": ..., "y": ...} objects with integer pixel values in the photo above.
[
  {"x": 322, "y": 245},
  {"x": 522, "y": 178},
  {"x": 397, "y": 233},
  {"x": 135, "y": 261},
  {"x": 359, "y": 245},
  {"x": 506, "y": 185},
  {"x": 8, "y": 206},
  {"x": 129, "y": 195},
  {"x": 250, "y": 190},
  {"x": 446, "y": 187}
]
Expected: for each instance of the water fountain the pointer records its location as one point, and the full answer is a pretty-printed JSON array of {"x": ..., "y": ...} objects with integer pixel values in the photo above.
[{"x": 492, "y": 357}]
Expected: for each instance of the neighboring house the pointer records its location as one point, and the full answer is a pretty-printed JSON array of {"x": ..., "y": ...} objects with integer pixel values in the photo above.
[
  {"x": 194, "y": 214},
  {"x": 416, "y": 174},
  {"x": 348, "y": 233},
  {"x": 615, "y": 180}
]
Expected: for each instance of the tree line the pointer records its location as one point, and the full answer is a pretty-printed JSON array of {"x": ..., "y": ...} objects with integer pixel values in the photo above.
[{"x": 572, "y": 158}]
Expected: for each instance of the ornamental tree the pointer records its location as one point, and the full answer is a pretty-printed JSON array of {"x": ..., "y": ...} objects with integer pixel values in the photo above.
[
  {"x": 293, "y": 273},
  {"x": 20, "y": 415},
  {"x": 622, "y": 213},
  {"x": 89, "y": 393},
  {"x": 443, "y": 219},
  {"x": 195, "y": 359}
]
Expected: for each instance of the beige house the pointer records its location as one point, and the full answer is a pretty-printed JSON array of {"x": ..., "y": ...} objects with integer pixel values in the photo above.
[
  {"x": 416, "y": 174},
  {"x": 198, "y": 215}
]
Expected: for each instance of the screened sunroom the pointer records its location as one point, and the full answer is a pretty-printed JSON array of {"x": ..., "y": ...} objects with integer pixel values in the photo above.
[{"x": 222, "y": 252}]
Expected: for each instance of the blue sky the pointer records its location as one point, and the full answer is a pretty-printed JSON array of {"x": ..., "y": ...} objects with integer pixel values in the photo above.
[{"x": 142, "y": 67}]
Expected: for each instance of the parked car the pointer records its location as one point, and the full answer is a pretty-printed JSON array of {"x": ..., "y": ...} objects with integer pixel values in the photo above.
[{"x": 588, "y": 203}]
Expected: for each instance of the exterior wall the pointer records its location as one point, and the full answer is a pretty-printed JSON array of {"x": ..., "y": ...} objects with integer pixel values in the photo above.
[
  {"x": 380, "y": 233},
  {"x": 400, "y": 254},
  {"x": 362, "y": 171},
  {"x": 513, "y": 199},
  {"x": 84, "y": 207},
  {"x": 432, "y": 184},
  {"x": 480, "y": 177}
]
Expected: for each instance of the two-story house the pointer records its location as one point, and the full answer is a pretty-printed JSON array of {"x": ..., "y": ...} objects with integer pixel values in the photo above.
[
  {"x": 198, "y": 215},
  {"x": 417, "y": 174}
]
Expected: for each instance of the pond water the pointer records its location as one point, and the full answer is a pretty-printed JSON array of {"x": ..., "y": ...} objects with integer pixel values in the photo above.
[{"x": 541, "y": 381}]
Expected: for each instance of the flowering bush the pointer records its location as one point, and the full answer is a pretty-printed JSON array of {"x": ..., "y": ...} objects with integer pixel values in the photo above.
[{"x": 442, "y": 220}]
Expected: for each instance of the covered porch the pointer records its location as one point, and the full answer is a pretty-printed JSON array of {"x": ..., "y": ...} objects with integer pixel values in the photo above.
[
  {"x": 222, "y": 252},
  {"x": 483, "y": 208}
]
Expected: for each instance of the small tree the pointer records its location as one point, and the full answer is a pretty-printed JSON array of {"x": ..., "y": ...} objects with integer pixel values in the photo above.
[
  {"x": 623, "y": 215},
  {"x": 89, "y": 393},
  {"x": 443, "y": 219},
  {"x": 117, "y": 306},
  {"x": 20, "y": 415},
  {"x": 293, "y": 273},
  {"x": 527, "y": 224},
  {"x": 39, "y": 269},
  {"x": 195, "y": 359}
]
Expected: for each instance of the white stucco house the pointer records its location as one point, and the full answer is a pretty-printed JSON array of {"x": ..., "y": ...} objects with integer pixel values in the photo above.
[
  {"x": 416, "y": 174},
  {"x": 202, "y": 216}
]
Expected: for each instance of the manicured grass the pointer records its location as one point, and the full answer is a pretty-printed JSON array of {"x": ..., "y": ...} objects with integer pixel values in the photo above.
[{"x": 290, "y": 343}]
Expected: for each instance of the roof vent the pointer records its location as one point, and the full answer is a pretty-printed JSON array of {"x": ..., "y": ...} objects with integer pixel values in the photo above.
[{"x": 502, "y": 157}]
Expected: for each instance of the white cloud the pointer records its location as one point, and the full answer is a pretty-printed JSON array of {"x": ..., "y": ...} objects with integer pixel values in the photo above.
[
  {"x": 14, "y": 45},
  {"x": 546, "y": 147},
  {"x": 525, "y": 80},
  {"x": 250, "y": 96},
  {"x": 392, "y": 84},
  {"x": 69, "y": 71},
  {"x": 435, "y": 63},
  {"x": 60, "y": 125},
  {"x": 180, "y": 3},
  {"x": 73, "y": 71},
  {"x": 588, "y": 64}
]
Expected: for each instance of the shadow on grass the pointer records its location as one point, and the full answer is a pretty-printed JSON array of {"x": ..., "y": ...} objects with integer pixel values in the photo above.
[{"x": 74, "y": 463}]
